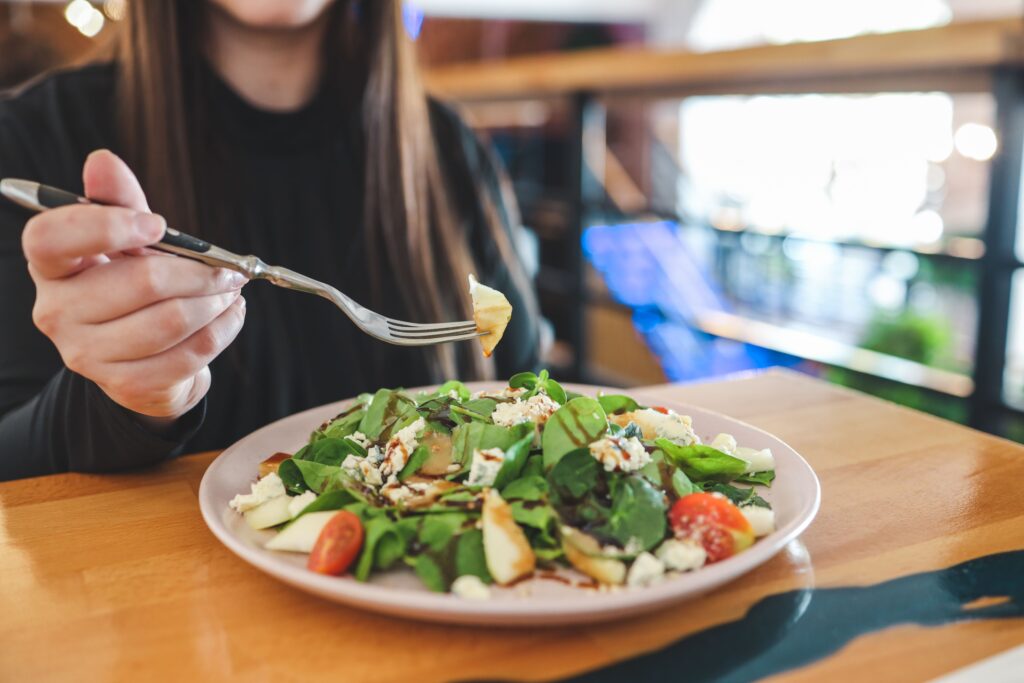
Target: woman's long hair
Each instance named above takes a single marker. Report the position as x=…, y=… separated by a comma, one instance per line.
x=410, y=220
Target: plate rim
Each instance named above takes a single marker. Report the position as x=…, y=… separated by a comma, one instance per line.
x=444, y=607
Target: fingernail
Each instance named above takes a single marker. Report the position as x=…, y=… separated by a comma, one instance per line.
x=150, y=225
x=236, y=280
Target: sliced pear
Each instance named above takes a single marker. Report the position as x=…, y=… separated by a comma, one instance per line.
x=270, y=513
x=301, y=536
x=440, y=447
x=491, y=312
x=506, y=550
x=581, y=551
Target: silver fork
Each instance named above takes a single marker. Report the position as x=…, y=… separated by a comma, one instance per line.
x=38, y=197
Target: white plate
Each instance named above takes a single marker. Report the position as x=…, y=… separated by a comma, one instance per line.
x=795, y=496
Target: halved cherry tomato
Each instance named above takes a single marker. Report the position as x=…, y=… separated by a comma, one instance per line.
x=714, y=522
x=337, y=545
x=661, y=409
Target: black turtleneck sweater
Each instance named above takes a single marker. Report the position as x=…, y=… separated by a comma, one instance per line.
x=298, y=180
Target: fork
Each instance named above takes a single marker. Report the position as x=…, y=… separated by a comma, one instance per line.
x=39, y=197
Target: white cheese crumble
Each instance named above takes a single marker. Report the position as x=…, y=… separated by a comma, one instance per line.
x=758, y=460
x=656, y=425
x=620, y=453
x=507, y=392
x=370, y=474
x=400, y=447
x=537, y=409
x=360, y=439
x=681, y=556
x=299, y=503
x=396, y=492
x=470, y=587
x=485, y=466
x=725, y=443
x=263, y=490
x=645, y=570
x=761, y=519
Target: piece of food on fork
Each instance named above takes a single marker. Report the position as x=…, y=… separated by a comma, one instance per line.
x=491, y=312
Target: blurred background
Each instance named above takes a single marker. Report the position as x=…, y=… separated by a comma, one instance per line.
x=719, y=186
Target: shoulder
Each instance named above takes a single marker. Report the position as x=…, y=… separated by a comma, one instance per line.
x=49, y=124
x=458, y=143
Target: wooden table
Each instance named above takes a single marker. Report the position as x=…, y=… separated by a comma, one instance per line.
x=117, y=578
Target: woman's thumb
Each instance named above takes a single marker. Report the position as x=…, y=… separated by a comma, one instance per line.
x=108, y=179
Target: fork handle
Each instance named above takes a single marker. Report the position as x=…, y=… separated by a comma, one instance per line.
x=173, y=241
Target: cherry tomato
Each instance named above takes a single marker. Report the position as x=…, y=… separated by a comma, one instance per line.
x=714, y=522
x=661, y=409
x=337, y=545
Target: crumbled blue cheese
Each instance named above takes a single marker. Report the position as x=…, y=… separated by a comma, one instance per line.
x=485, y=466
x=761, y=519
x=507, y=392
x=370, y=474
x=681, y=556
x=263, y=490
x=619, y=453
x=657, y=425
x=725, y=443
x=645, y=570
x=470, y=587
x=758, y=460
x=299, y=503
x=360, y=439
x=400, y=447
x=537, y=409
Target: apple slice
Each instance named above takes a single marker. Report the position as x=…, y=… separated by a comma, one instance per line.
x=506, y=550
x=491, y=312
x=300, y=536
x=270, y=513
x=582, y=551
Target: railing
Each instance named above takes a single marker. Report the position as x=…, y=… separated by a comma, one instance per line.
x=962, y=57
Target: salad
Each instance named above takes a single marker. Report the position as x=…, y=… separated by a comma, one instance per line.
x=470, y=490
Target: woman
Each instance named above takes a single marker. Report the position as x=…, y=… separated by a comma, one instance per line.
x=295, y=131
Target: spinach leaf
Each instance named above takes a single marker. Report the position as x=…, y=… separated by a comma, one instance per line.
x=290, y=474
x=536, y=383
x=342, y=424
x=534, y=466
x=481, y=406
x=515, y=460
x=616, y=404
x=652, y=470
x=575, y=475
x=763, y=478
x=416, y=460
x=738, y=496
x=471, y=436
x=316, y=476
x=430, y=573
x=539, y=520
x=700, y=462
x=390, y=409
x=455, y=385
x=532, y=487
x=682, y=485
x=330, y=451
x=375, y=528
x=332, y=500
x=637, y=513
x=469, y=556
x=436, y=531
x=576, y=424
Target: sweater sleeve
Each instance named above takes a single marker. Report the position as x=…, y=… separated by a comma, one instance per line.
x=51, y=419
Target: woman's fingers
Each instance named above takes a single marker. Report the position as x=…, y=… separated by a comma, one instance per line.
x=60, y=242
x=162, y=384
x=120, y=287
x=159, y=327
x=108, y=180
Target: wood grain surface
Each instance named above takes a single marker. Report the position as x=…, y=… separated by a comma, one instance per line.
x=115, y=577
x=956, y=55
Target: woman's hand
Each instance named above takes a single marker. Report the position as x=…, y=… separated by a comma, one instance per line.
x=143, y=326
